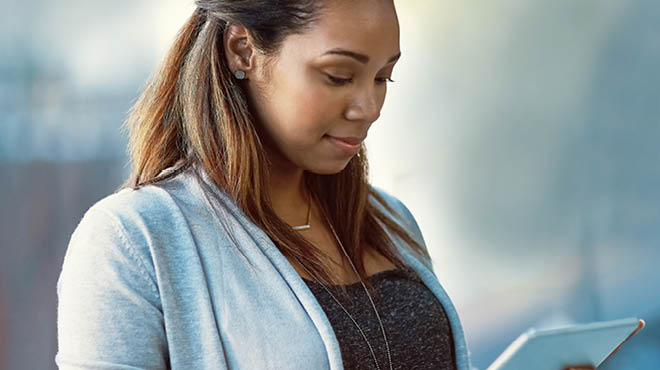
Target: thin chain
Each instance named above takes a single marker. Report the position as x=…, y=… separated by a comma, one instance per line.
x=387, y=346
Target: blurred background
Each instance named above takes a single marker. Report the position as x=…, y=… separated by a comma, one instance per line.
x=523, y=136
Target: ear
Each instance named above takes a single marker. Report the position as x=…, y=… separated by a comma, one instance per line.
x=239, y=51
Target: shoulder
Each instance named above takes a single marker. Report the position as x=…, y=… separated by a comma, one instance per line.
x=114, y=232
x=399, y=210
x=128, y=207
x=154, y=203
x=147, y=212
x=131, y=213
x=130, y=225
x=400, y=213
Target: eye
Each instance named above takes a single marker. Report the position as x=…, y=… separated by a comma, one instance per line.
x=338, y=81
x=382, y=80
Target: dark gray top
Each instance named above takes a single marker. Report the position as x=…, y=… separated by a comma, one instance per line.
x=415, y=323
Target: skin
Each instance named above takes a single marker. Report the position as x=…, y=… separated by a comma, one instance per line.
x=296, y=102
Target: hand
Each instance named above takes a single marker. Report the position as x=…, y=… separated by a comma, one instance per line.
x=579, y=367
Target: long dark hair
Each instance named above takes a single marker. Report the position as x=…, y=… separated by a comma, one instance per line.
x=191, y=114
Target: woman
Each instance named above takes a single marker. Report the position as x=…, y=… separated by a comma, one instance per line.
x=248, y=236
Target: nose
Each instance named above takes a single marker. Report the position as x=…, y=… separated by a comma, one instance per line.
x=365, y=106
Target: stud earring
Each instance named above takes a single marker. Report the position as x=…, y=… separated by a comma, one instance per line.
x=240, y=74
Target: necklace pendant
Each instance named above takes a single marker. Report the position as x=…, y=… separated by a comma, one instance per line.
x=302, y=227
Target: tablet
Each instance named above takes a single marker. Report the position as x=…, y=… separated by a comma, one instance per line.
x=554, y=349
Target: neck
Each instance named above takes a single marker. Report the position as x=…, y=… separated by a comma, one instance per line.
x=288, y=194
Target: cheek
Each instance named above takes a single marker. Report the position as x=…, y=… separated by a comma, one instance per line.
x=306, y=107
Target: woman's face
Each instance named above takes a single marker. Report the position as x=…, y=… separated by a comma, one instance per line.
x=328, y=82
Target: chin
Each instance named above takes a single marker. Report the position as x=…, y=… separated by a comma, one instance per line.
x=328, y=169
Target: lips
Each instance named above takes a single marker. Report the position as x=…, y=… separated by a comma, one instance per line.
x=351, y=140
x=342, y=144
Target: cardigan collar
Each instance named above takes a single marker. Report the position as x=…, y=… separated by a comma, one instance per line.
x=311, y=304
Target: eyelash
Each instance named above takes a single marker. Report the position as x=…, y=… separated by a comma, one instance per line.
x=343, y=81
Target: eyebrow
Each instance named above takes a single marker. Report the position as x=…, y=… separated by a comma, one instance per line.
x=364, y=59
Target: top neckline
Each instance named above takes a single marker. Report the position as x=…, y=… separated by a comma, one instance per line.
x=373, y=277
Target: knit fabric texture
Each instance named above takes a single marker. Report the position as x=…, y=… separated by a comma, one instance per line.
x=415, y=323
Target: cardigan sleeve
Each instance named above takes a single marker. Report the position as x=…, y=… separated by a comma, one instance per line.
x=108, y=311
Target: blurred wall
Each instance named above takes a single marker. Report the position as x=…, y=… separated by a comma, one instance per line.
x=521, y=134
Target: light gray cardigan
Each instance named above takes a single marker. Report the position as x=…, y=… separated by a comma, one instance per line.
x=151, y=281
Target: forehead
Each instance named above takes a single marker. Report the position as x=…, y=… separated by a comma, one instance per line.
x=368, y=27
